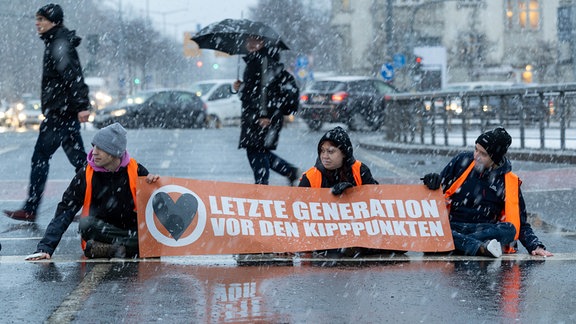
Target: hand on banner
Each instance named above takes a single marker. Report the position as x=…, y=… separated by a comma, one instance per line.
x=38, y=256
x=432, y=181
x=339, y=188
x=151, y=178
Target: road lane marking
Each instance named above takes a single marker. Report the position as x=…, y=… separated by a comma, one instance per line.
x=549, y=190
x=66, y=312
x=224, y=259
x=401, y=172
x=5, y=239
x=8, y=149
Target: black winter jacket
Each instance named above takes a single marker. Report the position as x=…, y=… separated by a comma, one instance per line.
x=330, y=178
x=64, y=92
x=251, y=134
x=111, y=202
x=481, y=197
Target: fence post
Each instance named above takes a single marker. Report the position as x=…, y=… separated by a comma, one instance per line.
x=562, y=111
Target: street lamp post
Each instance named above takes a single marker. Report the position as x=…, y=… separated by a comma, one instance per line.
x=164, y=14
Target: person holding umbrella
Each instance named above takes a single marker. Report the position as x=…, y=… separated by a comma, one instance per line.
x=262, y=118
x=267, y=91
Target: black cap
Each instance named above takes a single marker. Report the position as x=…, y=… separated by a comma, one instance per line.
x=52, y=12
x=496, y=142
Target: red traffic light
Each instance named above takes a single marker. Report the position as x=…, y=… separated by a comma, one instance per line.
x=418, y=59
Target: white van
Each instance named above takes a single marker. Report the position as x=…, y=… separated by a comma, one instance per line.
x=478, y=85
x=474, y=104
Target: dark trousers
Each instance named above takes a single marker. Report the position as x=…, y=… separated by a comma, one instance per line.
x=469, y=236
x=53, y=133
x=92, y=228
x=262, y=160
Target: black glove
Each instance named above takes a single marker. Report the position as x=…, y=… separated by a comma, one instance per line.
x=432, y=181
x=339, y=188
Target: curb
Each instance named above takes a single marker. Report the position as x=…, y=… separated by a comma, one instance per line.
x=544, y=156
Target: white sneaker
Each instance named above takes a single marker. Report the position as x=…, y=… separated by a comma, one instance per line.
x=493, y=248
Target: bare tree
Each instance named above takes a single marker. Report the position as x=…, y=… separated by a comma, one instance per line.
x=303, y=25
x=470, y=51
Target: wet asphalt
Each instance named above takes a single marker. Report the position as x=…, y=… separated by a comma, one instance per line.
x=413, y=287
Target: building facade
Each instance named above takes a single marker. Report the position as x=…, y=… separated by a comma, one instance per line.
x=524, y=41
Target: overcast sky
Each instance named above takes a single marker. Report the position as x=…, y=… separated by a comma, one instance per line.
x=174, y=17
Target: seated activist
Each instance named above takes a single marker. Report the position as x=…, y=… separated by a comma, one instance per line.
x=486, y=208
x=336, y=168
x=105, y=190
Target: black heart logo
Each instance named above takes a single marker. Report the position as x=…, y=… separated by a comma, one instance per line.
x=175, y=217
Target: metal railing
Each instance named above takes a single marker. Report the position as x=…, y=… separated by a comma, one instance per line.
x=535, y=114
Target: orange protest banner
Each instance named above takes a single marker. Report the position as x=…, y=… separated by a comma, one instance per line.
x=179, y=216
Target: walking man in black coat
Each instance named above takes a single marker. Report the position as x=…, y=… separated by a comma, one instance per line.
x=65, y=104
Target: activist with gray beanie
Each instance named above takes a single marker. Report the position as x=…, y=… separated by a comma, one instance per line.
x=105, y=191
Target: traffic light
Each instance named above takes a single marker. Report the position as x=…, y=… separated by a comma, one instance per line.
x=215, y=66
x=136, y=81
x=418, y=64
x=199, y=64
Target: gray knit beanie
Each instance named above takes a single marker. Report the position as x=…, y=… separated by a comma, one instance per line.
x=111, y=139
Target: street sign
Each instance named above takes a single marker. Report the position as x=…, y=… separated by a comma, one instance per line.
x=302, y=61
x=387, y=71
x=399, y=60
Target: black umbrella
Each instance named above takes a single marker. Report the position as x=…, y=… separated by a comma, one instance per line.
x=229, y=36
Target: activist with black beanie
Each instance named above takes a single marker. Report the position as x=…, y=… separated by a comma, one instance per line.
x=486, y=208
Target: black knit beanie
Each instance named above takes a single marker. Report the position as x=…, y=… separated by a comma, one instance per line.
x=496, y=142
x=52, y=12
x=341, y=140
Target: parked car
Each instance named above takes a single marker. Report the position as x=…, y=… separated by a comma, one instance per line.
x=222, y=105
x=166, y=108
x=24, y=113
x=3, y=110
x=357, y=101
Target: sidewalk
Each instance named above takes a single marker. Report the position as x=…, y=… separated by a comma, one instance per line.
x=531, y=151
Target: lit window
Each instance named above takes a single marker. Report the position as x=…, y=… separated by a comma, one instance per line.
x=523, y=14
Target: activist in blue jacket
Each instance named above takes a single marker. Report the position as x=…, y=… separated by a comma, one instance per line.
x=105, y=190
x=486, y=208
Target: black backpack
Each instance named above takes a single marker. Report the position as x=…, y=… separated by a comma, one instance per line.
x=288, y=96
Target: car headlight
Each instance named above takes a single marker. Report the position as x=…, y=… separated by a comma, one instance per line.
x=119, y=112
x=21, y=117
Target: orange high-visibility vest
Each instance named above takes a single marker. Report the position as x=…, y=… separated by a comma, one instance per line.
x=511, y=211
x=315, y=176
x=132, y=169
